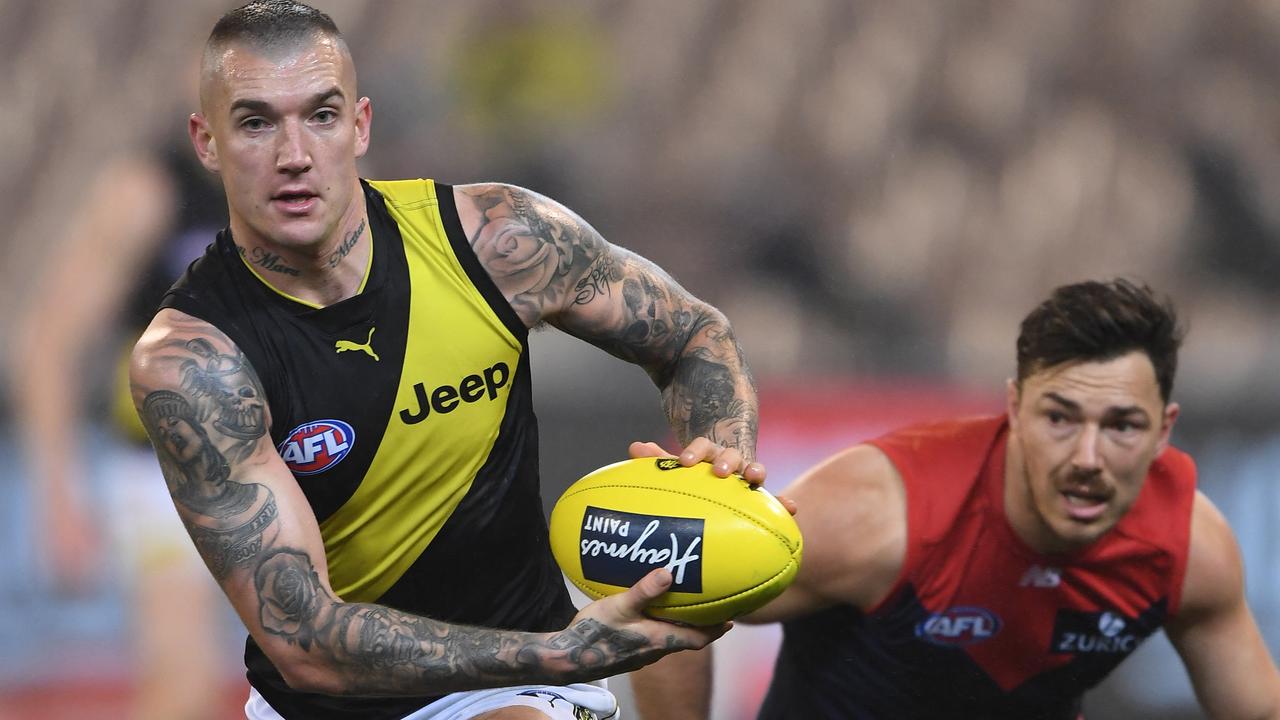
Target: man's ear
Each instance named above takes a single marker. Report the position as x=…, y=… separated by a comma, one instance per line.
x=1012, y=394
x=1167, y=420
x=364, y=122
x=202, y=139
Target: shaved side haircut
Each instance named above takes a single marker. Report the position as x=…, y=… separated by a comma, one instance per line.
x=274, y=28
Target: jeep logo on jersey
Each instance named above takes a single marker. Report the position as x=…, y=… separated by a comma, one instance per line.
x=619, y=548
x=446, y=398
x=1104, y=632
x=959, y=626
x=316, y=446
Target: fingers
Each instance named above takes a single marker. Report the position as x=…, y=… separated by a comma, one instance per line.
x=637, y=597
x=700, y=449
x=787, y=503
x=647, y=449
x=696, y=638
x=724, y=460
x=754, y=473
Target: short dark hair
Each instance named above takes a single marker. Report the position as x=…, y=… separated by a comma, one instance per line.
x=1100, y=321
x=271, y=24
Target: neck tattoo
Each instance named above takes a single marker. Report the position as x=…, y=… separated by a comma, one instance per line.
x=344, y=249
x=267, y=261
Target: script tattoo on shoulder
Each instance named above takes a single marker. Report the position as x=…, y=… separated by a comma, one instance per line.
x=201, y=430
x=534, y=249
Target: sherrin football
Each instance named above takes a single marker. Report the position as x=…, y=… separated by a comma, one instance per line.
x=730, y=547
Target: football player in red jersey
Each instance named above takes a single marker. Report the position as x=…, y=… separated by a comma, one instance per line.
x=1000, y=567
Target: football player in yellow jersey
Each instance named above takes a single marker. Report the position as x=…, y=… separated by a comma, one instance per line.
x=282, y=124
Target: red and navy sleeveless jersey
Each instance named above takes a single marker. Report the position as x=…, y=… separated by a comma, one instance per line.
x=978, y=624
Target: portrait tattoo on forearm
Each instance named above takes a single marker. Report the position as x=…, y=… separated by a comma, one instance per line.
x=219, y=394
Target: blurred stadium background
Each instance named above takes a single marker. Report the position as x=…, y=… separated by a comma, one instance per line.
x=874, y=191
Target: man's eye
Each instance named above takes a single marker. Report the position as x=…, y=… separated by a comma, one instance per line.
x=253, y=124
x=326, y=116
x=1055, y=417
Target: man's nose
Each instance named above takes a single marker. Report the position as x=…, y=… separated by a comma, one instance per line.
x=292, y=153
x=1085, y=456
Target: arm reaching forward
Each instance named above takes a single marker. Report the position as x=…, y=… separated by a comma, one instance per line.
x=260, y=540
x=553, y=267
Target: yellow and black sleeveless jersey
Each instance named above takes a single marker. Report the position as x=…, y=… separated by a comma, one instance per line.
x=405, y=413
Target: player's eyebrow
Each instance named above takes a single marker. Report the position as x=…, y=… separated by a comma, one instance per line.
x=1069, y=404
x=1112, y=411
x=262, y=106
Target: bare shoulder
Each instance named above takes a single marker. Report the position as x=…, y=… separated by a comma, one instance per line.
x=167, y=326
x=535, y=249
x=852, y=513
x=182, y=359
x=1215, y=574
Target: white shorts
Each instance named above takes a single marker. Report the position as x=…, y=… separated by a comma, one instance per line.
x=579, y=701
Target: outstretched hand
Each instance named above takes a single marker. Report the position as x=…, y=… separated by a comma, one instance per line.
x=724, y=461
x=614, y=634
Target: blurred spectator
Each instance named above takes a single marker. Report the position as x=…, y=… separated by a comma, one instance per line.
x=143, y=218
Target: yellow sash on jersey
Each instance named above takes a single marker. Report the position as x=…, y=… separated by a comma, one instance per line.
x=421, y=471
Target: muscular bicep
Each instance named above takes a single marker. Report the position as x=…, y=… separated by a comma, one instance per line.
x=203, y=406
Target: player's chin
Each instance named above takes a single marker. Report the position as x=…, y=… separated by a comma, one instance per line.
x=297, y=232
x=1080, y=533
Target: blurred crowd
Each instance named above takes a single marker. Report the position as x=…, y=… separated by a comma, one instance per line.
x=873, y=190
x=879, y=186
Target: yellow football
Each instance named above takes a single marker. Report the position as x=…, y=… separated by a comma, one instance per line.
x=730, y=547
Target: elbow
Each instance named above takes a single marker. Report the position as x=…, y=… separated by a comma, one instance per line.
x=308, y=676
x=707, y=330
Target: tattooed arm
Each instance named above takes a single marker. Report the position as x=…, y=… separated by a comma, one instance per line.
x=204, y=408
x=553, y=267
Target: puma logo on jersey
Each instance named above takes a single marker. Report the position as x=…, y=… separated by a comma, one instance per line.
x=366, y=347
x=1041, y=577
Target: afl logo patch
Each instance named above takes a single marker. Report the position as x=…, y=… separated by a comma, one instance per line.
x=667, y=463
x=959, y=626
x=316, y=446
